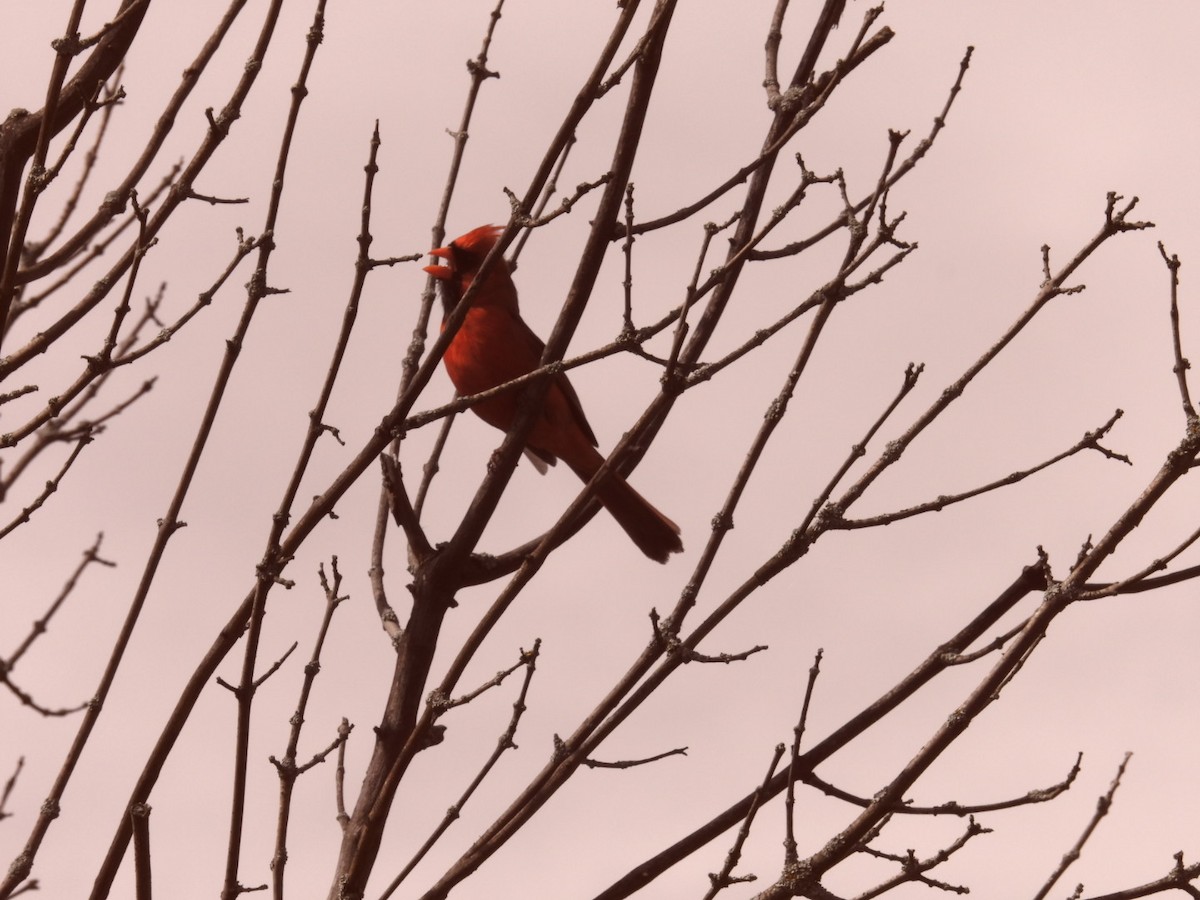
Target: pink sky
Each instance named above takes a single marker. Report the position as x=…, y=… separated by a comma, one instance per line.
x=1063, y=103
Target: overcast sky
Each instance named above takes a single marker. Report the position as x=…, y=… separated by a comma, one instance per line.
x=1063, y=102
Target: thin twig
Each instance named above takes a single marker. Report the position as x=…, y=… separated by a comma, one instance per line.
x=912, y=869
x=918, y=153
x=273, y=561
x=40, y=626
x=116, y=199
x=548, y=192
x=99, y=364
x=793, y=769
x=70, y=268
x=113, y=94
x=8, y=787
x=954, y=807
x=1031, y=578
x=1090, y=441
x=1181, y=363
x=528, y=661
x=718, y=881
x=633, y=763
x=1103, y=805
x=1180, y=878
x=287, y=768
x=51, y=486
x=1116, y=222
x=170, y=522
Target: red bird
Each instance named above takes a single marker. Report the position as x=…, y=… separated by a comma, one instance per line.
x=494, y=345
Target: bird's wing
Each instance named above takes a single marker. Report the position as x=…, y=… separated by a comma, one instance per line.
x=561, y=382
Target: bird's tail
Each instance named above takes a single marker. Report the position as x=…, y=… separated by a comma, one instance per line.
x=652, y=532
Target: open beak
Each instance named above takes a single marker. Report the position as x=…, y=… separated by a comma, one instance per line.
x=442, y=273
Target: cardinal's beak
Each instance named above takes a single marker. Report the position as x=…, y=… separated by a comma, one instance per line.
x=442, y=273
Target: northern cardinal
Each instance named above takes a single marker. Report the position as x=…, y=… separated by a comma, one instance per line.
x=494, y=345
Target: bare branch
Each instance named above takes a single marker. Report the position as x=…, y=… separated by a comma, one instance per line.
x=1142, y=580
x=912, y=870
x=789, y=122
x=793, y=770
x=1103, y=805
x=51, y=486
x=269, y=569
x=910, y=162
x=528, y=660
x=116, y=199
x=548, y=192
x=113, y=94
x=632, y=763
x=26, y=138
x=344, y=730
x=1031, y=578
x=1181, y=364
x=70, y=268
x=402, y=509
x=8, y=787
x=723, y=879
x=1115, y=222
x=564, y=207
x=1180, y=878
x=774, y=39
x=26, y=699
x=1090, y=441
x=954, y=807
x=139, y=817
x=287, y=767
